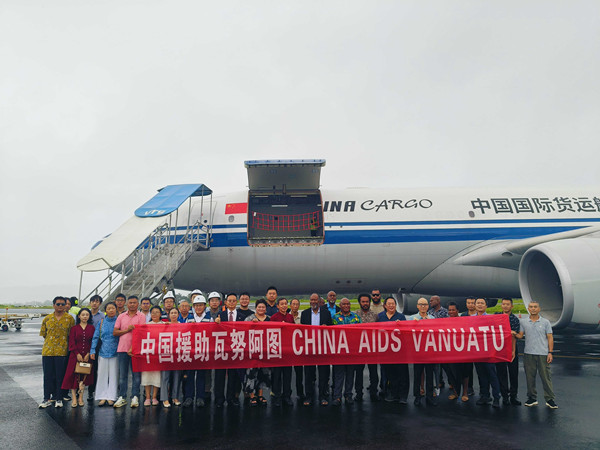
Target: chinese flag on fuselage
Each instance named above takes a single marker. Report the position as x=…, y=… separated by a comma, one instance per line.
x=236, y=208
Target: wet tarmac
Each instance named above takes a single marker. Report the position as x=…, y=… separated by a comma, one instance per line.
x=576, y=377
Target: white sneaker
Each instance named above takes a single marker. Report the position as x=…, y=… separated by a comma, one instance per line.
x=437, y=392
x=58, y=404
x=135, y=402
x=120, y=402
x=45, y=404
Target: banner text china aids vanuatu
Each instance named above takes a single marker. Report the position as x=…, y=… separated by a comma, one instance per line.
x=192, y=346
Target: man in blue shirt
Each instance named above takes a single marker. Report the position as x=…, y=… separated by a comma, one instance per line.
x=331, y=306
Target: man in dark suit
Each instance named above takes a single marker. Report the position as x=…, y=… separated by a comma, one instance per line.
x=231, y=314
x=316, y=315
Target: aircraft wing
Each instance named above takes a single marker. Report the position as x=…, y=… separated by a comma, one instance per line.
x=507, y=254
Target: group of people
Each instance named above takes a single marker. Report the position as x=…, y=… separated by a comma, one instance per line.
x=88, y=335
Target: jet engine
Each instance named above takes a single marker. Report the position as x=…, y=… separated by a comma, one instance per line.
x=563, y=277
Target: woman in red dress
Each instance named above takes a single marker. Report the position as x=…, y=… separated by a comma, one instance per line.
x=80, y=342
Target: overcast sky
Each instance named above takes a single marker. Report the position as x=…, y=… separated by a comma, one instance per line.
x=101, y=103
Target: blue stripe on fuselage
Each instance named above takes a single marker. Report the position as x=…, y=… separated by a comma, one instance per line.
x=409, y=235
x=433, y=222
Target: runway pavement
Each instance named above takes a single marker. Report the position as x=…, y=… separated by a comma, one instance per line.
x=576, y=376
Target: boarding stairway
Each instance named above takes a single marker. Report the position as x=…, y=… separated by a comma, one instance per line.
x=148, y=271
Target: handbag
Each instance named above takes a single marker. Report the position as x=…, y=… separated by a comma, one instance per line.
x=83, y=368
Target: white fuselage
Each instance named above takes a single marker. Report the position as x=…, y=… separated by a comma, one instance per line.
x=397, y=240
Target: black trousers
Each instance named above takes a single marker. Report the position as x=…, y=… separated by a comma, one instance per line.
x=486, y=372
x=457, y=372
x=92, y=387
x=508, y=371
x=234, y=384
x=383, y=381
x=359, y=379
x=344, y=380
x=281, y=379
x=398, y=379
x=54, y=371
x=310, y=373
x=469, y=371
x=194, y=380
x=299, y=371
x=417, y=372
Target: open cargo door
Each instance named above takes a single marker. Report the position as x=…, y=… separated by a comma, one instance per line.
x=284, y=202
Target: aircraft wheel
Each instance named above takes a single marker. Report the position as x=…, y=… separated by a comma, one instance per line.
x=18, y=327
x=4, y=327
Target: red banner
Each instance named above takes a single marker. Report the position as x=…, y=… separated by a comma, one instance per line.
x=267, y=344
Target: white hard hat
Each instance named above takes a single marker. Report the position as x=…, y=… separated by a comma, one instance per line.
x=196, y=291
x=214, y=294
x=169, y=295
x=199, y=299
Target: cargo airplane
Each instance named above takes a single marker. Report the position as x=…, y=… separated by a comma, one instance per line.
x=285, y=230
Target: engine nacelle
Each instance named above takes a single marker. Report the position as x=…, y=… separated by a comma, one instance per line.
x=564, y=276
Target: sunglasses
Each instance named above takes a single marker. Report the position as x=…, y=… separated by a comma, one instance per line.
x=60, y=304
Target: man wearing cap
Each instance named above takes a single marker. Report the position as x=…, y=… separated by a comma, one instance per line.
x=169, y=304
x=212, y=312
x=195, y=380
x=200, y=312
x=214, y=304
